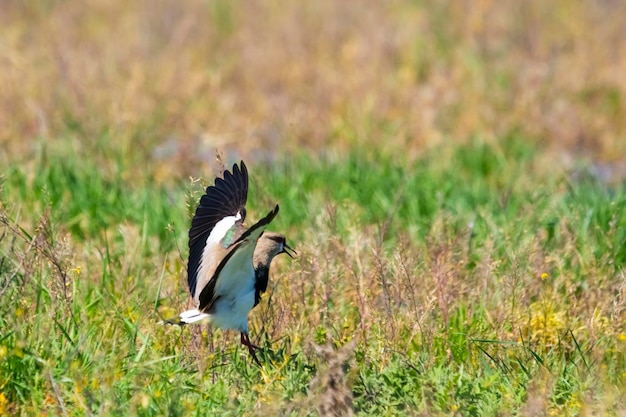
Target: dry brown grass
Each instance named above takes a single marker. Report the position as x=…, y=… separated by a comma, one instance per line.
x=251, y=74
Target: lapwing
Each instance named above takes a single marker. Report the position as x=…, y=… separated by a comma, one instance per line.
x=228, y=267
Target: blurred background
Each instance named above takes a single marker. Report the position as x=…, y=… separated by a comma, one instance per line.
x=162, y=84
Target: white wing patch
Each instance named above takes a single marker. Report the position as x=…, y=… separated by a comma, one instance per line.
x=213, y=248
x=220, y=229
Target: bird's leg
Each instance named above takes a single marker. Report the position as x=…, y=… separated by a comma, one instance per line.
x=245, y=340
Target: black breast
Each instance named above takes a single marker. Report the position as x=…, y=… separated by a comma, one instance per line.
x=262, y=275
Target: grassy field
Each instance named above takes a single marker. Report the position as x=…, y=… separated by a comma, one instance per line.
x=451, y=174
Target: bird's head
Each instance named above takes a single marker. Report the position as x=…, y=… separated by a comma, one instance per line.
x=269, y=245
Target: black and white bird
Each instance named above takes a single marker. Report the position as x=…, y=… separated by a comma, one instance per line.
x=228, y=267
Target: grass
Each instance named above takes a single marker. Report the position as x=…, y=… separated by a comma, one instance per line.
x=473, y=284
x=451, y=174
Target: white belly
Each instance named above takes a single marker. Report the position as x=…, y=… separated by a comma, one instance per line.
x=234, y=293
x=230, y=313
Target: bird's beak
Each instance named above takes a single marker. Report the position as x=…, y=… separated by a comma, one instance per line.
x=287, y=248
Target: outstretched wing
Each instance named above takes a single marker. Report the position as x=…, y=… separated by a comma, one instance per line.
x=226, y=198
x=227, y=278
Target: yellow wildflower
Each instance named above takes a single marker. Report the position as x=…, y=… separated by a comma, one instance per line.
x=3, y=404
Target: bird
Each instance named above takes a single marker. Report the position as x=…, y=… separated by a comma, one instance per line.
x=228, y=264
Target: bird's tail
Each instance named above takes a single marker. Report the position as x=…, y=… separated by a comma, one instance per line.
x=187, y=317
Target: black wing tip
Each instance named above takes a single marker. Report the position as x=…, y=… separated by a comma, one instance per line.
x=261, y=223
x=227, y=195
x=270, y=216
x=238, y=170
